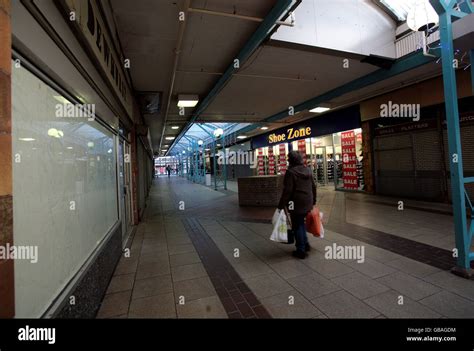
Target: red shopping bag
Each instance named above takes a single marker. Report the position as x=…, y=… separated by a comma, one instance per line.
x=313, y=222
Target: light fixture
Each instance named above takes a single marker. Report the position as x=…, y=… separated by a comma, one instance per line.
x=422, y=17
x=264, y=128
x=109, y=151
x=241, y=137
x=218, y=132
x=69, y=147
x=169, y=138
x=175, y=127
x=219, y=145
x=319, y=109
x=207, y=149
x=90, y=144
x=26, y=139
x=55, y=133
x=200, y=142
x=187, y=100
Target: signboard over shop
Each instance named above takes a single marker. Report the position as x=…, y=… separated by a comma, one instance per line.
x=90, y=24
x=329, y=123
x=432, y=123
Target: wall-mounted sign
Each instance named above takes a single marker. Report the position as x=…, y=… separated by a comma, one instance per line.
x=345, y=119
x=349, y=160
x=92, y=27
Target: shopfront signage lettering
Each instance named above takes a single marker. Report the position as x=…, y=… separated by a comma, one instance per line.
x=92, y=27
x=291, y=134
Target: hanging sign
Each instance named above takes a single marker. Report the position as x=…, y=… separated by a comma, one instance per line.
x=349, y=160
x=271, y=161
x=302, y=149
x=282, y=158
x=261, y=166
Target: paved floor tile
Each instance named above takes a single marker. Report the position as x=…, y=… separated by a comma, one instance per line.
x=408, y=285
x=193, y=289
x=290, y=304
x=158, y=306
x=450, y=305
x=360, y=285
x=388, y=304
x=114, y=305
x=152, y=286
x=341, y=304
x=184, y=259
x=267, y=285
x=121, y=283
x=313, y=285
x=186, y=272
x=209, y=307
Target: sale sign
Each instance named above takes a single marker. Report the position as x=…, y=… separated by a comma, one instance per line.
x=302, y=149
x=282, y=158
x=349, y=160
x=261, y=166
x=271, y=161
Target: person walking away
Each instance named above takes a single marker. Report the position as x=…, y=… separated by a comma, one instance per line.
x=299, y=196
x=168, y=169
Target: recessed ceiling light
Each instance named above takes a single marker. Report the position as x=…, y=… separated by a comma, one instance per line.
x=26, y=139
x=241, y=137
x=319, y=109
x=169, y=138
x=175, y=127
x=187, y=100
x=264, y=128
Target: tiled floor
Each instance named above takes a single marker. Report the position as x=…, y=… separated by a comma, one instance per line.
x=213, y=259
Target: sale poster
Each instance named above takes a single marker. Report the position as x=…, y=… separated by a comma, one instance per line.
x=349, y=160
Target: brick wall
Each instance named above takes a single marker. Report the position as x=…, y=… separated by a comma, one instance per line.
x=7, y=297
x=260, y=191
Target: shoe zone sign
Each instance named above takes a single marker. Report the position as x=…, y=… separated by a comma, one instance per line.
x=329, y=123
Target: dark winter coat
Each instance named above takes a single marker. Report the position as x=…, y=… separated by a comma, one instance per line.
x=298, y=187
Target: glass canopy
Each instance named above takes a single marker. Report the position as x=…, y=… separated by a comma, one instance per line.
x=204, y=132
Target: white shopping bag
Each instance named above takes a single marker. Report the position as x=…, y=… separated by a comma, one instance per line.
x=280, y=228
x=275, y=216
x=322, y=228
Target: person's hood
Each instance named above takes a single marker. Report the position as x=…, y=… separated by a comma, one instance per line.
x=301, y=171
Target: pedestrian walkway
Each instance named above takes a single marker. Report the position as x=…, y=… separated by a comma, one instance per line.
x=197, y=254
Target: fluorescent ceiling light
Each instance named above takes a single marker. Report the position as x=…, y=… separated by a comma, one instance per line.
x=319, y=109
x=169, y=138
x=264, y=128
x=26, y=139
x=241, y=137
x=187, y=100
x=175, y=127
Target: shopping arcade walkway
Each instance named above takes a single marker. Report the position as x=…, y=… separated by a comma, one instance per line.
x=183, y=262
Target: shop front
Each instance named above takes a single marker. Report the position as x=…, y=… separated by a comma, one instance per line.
x=331, y=145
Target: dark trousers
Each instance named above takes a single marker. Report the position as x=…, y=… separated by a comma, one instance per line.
x=299, y=230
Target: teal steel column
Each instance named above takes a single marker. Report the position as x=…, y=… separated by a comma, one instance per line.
x=462, y=235
x=214, y=148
